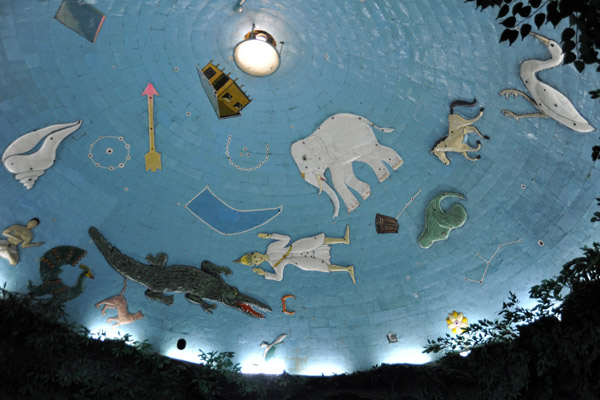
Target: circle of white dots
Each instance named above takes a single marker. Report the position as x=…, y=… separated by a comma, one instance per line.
x=110, y=151
x=257, y=166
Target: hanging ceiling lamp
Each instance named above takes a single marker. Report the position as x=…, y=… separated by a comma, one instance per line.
x=257, y=54
x=238, y=6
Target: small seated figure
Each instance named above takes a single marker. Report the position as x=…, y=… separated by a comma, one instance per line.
x=309, y=254
x=17, y=234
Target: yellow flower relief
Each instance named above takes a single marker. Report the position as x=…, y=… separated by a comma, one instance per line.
x=457, y=322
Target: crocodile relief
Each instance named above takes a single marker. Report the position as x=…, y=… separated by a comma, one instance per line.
x=198, y=284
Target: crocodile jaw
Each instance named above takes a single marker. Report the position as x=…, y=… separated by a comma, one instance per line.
x=248, y=306
x=248, y=310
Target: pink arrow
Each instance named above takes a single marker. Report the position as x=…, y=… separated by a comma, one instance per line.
x=150, y=91
x=152, y=157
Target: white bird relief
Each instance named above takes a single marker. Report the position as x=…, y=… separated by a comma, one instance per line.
x=271, y=349
x=28, y=167
x=547, y=100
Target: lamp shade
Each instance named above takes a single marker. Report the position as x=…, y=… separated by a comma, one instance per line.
x=256, y=55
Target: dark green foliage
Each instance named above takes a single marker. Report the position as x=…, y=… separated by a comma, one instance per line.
x=216, y=367
x=549, y=351
x=596, y=216
x=43, y=357
x=550, y=296
x=580, y=40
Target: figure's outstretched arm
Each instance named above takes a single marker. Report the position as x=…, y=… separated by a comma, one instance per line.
x=27, y=243
x=275, y=236
x=277, y=276
x=16, y=239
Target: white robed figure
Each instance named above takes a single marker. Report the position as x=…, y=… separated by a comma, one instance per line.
x=309, y=254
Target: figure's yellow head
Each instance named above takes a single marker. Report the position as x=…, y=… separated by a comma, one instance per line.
x=251, y=259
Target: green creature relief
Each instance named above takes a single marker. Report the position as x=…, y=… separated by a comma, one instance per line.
x=438, y=223
x=51, y=267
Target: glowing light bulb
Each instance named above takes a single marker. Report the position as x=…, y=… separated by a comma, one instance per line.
x=256, y=57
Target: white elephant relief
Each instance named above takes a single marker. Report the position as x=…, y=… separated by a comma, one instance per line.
x=340, y=140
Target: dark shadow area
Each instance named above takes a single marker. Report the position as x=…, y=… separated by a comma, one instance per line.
x=553, y=357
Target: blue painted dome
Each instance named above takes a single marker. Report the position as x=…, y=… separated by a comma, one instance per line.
x=397, y=64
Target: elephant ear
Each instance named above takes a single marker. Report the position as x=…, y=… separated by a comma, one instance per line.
x=317, y=150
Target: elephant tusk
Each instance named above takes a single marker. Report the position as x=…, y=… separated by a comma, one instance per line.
x=320, y=184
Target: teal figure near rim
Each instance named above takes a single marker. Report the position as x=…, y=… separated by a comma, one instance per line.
x=51, y=264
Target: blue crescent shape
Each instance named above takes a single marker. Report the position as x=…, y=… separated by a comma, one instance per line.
x=222, y=218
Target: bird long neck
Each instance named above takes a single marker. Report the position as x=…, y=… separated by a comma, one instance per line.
x=530, y=68
x=79, y=286
x=555, y=61
x=539, y=65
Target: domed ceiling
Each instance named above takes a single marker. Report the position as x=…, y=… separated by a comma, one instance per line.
x=528, y=197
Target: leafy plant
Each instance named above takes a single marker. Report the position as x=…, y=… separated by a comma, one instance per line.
x=220, y=361
x=549, y=351
x=596, y=216
x=219, y=369
x=550, y=296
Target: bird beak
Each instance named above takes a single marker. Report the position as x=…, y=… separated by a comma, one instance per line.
x=542, y=39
